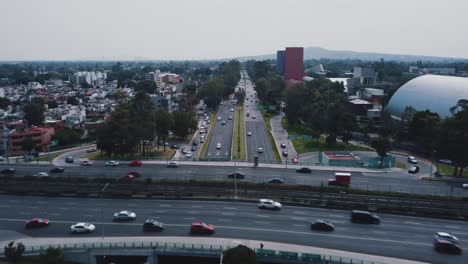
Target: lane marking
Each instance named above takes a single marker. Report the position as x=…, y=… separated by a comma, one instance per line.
x=4, y=206
x=225, y=220
x=230, y=208
x=299, y=225
x=298, y=218
x=25, y=213
x=42, y=202
x=165, y=205
x=189, y=218
x=192, y=212
x=263, y=216
x=412, y=223
x=228, y=213
x=451, y=226
x=56, y=214
x=260, y=222
x=379, y=232
x=196, y=206
x=63, y=208
x=159, y=211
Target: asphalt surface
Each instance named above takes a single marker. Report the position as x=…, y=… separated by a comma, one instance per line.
x=392, y=181
x=222, y=133
x=259, y=137
x=397, y=236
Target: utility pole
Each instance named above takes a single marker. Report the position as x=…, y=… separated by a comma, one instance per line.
x=102, y=209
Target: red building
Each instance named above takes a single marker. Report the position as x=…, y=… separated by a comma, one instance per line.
x=294, y=64
x=40, y=136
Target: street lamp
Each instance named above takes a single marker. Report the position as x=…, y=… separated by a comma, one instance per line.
x=432, y=162
x=102, y=209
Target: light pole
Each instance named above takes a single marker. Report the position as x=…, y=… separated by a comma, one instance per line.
x=102, y=209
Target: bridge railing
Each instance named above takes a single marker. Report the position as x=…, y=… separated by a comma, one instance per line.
x=262, y=254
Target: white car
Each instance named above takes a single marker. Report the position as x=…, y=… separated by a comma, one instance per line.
x=253, y=116
x=232, y=109
x=230, y=117
x=218, y=146
x=219, y=118
x=188, y=155
x=82, y=228
x=112, y=163
x=124, y=216
x=249, y=133
x=268, y=204
x=260, y=150
x=412, y=160
x=172, y=164
x=446, y=236
x=465, y=186
x=41, y=174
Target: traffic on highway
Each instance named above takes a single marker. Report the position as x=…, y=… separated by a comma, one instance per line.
x=389, y=235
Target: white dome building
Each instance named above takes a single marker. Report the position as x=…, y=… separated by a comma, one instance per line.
x=435, y=93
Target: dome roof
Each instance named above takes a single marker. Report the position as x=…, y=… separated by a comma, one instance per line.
x=429, y=92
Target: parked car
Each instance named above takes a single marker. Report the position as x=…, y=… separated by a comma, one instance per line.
x=413, y=169
x=237, y=175
x=112, y=163
x=364, y=217
x=172, y=164
x=276, y=181
x=135, y=163
x=201, y=228
x=82, y=228
x=86, y=163
x=322, y=225
x=268, y=204
x=37, y=223
x=69, y=160
x=304, y=170
x=124, y=216
x=57, y=170
x=8, y=171
x=153, y=225
x=41, y=174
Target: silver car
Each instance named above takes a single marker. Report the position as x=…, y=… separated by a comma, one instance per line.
x=82, y=228
x=124, y=216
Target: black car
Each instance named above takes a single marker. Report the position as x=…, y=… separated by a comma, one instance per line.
x=364, y=217
x=175, y=146
x=304, y=170
x=195, y=142
x=283, y=145
x=194, y=148
x=237, y=175
x=276, y=180
x=284, y=153
x=153, y=225
x=69, y=160
x=57, y=170
x=8, y=171
x=413, y=169
x=447, y=246
x=322, y=225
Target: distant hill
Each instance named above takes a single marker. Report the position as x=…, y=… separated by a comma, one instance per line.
x=321, y=53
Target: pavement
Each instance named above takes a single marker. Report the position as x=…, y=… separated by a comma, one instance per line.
x=224, y=242
x=281, y=137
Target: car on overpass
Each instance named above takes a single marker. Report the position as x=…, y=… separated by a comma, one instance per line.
x=57, y=170
x=135, y=163
x=37, y=223
x=201, y=228
x=304, y=170
x=236, y=175
x=276, y=181
x=112, y=163
x=447, y=246
x=82, y=228
x=8, y=171
x=172, y=164
x=153, y=225
x=268, y=204
x=86, y=163
x=41, y=174
x=465, y=185
x=322, y=225
x=364, y=217
x=124, y=216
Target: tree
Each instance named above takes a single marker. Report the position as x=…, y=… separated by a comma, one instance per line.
x=147, y=86
x=4, y=103
x=212, y=92
x=34, y=113
x=52, y=256
x=381, y=146
x=67, y=137
x=141, y=110
x=239, y=254
x=183, y=123
x=13, y=253
x=164, y=123
x=423, y=129
x=240, y=97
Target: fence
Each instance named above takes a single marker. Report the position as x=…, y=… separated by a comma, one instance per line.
x=262, y=254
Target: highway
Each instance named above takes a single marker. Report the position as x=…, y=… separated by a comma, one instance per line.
x=256, y=126
x=396, y=182
x=222, y=133
x=397, y=236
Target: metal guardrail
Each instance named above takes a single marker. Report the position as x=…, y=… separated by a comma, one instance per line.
x=263, y=254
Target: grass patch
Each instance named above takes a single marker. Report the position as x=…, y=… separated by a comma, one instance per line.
x=400, y=165
x=447, y=170
x=273, y=145
x=202, y=152
x=266, y=119
x=239, y=151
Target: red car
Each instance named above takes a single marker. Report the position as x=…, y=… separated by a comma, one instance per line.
x=132, y=175
x=201, y=228
x=135, y=163
x=37, y=222
x=295, y=160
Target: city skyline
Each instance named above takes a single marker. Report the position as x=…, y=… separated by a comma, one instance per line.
x=181, y=29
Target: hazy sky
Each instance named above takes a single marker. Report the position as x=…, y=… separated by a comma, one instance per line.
x=206, y=29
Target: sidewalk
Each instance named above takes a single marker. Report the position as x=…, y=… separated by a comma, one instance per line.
x=280, y=136
x=255, y=244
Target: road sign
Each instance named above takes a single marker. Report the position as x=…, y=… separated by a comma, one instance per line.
x=291, y=137
x=306, y=137
x=272, y=107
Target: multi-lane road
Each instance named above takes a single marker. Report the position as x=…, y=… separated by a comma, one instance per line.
x=255, y=125
x=397, y=236
x=360, y=180
x=222, y=133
